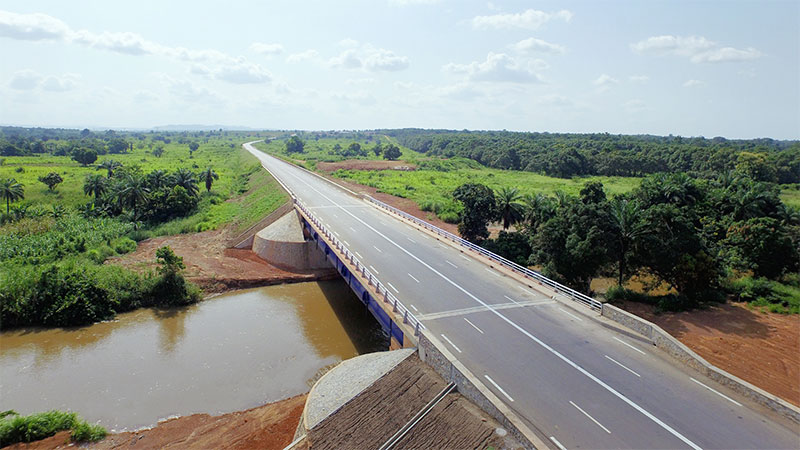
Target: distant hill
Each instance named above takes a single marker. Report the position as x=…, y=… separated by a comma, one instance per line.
x=203, y=128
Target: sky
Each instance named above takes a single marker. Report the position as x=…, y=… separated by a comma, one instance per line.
x=713, y=68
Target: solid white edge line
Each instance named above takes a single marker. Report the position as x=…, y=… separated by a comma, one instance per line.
x=392, y=286
x=558, y=444
x=474, y=326
x=451, y=343
x=629, y=345
x=570, y=314
x=448, y=262
x=513, y=324
x=413, y=278
x=514, y=301
x=622, y=365
x=499, y=388
x=375, y=270
x=717, y=392
x=593, y=419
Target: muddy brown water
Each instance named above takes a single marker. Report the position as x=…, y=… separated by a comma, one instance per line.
x=227, y=353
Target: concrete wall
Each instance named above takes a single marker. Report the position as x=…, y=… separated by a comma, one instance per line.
x=432, y=352
x=283, y=245
x=678, y=350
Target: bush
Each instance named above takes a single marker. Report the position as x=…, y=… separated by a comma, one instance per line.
x=777, y=297
x=15, y=428
x=123, y=245
x=100, y=254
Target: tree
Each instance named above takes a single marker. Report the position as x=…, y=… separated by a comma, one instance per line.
x=110, y=166
x=193, y=146
x=158, y=151
x=95, y=185
x=377, y=149
x=354, y=149
x=209, y=176
x=157, y=179
x=84, y=156
x=479, y=209
x=185, y=178
x=508, y=206
x=628, y=229
x=392, y=152
x=762, y=245
x=538, y=210
x=52, y=180
x=131, y=192
x=11, y=191
x=294, y=145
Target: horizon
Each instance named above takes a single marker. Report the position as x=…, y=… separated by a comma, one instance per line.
x=686, y=69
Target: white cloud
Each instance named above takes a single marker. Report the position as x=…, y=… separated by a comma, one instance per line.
x=498, y=67
x=412, y=2
x=357, y=81
x=348, y=42
x=641, y=79
x=303, y=56
x=361, y=97
x=369, y=58
x=635, y=106
x=25, y=80
x=604, y=82
x=693, y=83
x=697, y=48
x=189, y=92
x=60, y=84
x=125, y=42
x=239, y=72
x=530, y=19
x=266, y=49
x=533, y=45
x=32, y=27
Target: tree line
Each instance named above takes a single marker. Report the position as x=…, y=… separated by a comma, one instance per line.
x=568, y=155
x=694, y=235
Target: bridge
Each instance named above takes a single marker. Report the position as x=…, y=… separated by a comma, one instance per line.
x=539, y=351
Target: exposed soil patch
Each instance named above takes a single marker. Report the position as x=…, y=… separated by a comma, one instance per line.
x=271, y=426
x=360, y=164
x=211, y=265
x=761, y=348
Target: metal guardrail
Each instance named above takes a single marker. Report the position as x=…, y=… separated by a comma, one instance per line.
x=532, y=274
x=388, y=297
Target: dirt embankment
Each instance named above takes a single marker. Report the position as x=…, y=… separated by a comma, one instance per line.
x=761, y=348
x=213, y=266
x=271, y=426
x=362, y=164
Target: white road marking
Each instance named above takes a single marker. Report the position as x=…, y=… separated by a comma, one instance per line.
x=415, y=308
x=374, y=270
x=514, y=325
x=558, y=444
x=336, y=233
x=527, y=290
x=411, y=239
x=448, y=262
x=473, y=325
x=359, y=255
x=570, y=314
x=492, y=271
x=499, y=388
x=593, y=419
x=451, y=343
x=622, y=365
x=393, y=288
x=464, y=257
x=514, y=301
x=478, y=309
x=629, y=345
x=376, y=248
x=353, y=229
x=346, y=243
x=335, y=215
x=413, y=278
x=717, y=392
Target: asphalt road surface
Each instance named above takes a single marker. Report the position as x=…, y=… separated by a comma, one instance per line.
x=577, y=382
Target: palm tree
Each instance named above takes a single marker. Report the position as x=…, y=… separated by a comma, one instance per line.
x=110, y=165
x=185, y=178
x=508, y=205
x=626, y=216
x=131, y=192
x=95, y=185
x=11, y=191
x=157, y=179
x=209, y=176
x=538, y=209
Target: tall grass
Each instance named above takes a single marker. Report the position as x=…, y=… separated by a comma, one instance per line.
x=15, y=428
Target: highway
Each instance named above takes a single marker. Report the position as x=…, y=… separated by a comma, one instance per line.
x=579, y=383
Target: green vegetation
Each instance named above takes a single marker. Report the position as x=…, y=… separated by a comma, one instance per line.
x=15, y=428
x=53, y=242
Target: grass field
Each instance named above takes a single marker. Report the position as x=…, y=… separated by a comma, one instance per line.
x=791, y=196
x=234, y=166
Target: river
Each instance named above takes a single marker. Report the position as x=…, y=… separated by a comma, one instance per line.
x=228, y=353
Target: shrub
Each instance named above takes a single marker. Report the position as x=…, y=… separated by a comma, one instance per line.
x=99, y=254
x=15, y=428
x=123, y=245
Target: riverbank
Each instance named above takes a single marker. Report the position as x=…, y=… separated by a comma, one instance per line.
x=213, y=266
x=270, y=426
